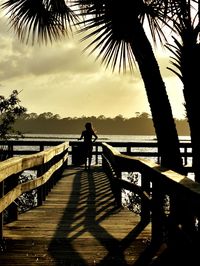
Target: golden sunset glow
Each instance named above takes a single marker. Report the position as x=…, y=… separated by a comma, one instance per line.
x=59, y=78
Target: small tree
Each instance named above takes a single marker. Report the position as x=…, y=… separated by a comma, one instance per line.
x=10, y=110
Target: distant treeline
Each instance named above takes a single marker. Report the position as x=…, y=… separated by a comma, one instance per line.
x=48, y=123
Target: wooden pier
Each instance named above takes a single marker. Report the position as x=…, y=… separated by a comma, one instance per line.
x=79, y=224
x=80, y=219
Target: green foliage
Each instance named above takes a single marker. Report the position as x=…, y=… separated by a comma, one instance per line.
x=132, y=200
x=10, y=110
x=27, y=200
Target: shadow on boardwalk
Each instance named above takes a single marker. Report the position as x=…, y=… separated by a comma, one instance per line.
x=79, y=224
x=97, y=232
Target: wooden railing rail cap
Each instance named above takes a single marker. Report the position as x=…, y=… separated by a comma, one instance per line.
x=32, y=160
x=153, y=170
x=9, y=167
x=49, y=153
x=16, y=165
x=12, y=195
x=111, y=148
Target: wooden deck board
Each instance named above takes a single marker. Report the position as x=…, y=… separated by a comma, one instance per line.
x=78, y=224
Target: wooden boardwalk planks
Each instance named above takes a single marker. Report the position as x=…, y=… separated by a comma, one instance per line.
x=78, y=224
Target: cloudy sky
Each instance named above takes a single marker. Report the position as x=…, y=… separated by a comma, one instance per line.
x=59, y=78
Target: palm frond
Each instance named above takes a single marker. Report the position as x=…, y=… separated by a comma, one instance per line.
x=42, y=19
x=113, y=52
x=176, y=73
x=119, y=19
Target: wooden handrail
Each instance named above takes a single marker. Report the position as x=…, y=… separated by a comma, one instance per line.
x=47, y=163
x=16, y=165
x=181, y=220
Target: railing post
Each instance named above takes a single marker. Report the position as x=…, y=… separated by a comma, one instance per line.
x=65, y=164
x=10, y=150
x=13, y=208
x=128, y=150
x=96, y=154
x=118, y=190
x=157, y=213
x=181, y=222
x=185, y=155
x=145, y=208
x=40, y=192
x=41, y=147
x=116, y=181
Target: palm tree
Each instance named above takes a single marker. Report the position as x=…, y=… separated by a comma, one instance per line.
x=120, y=37
x=186, y=57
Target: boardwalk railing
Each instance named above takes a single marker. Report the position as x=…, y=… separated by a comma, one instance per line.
x=48, y=165
x=170, y=201
x=139, y=149
x=158, y=186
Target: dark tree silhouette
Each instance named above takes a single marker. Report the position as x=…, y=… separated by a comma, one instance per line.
x=10, y=111
x=186, y=57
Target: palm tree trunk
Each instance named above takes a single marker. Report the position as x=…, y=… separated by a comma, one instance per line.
x=191, y=94
x=192, y=107
x=165, y=128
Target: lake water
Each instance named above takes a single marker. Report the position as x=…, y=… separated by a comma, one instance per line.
x=121, y=138
x=101, y=138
